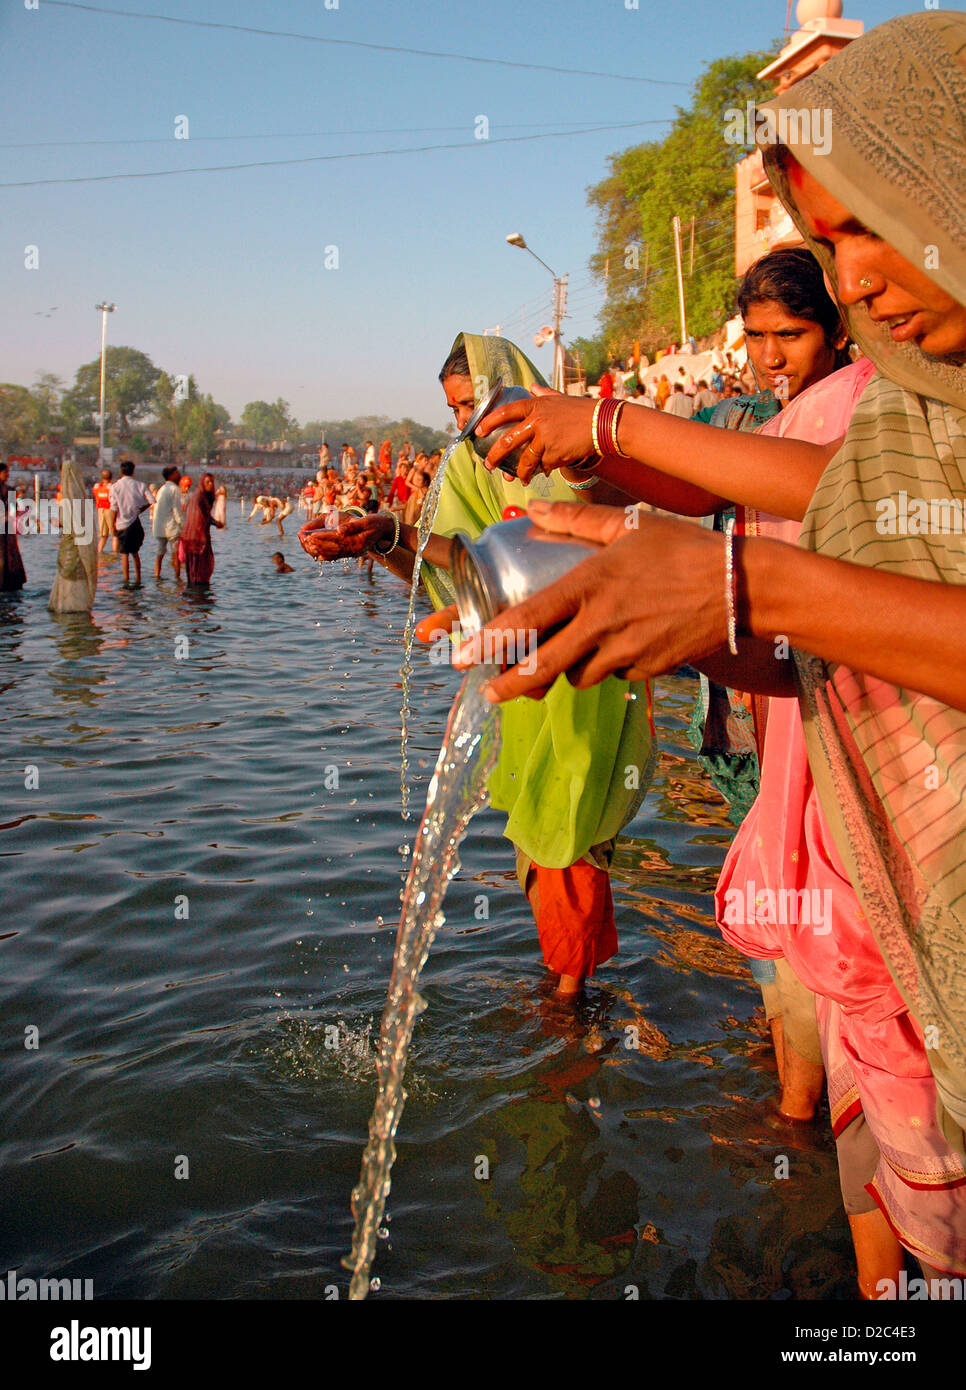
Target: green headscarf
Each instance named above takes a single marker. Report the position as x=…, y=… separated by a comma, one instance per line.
x=566, y=761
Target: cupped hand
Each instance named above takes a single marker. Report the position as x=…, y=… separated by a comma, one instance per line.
x=554, y=428
x=653, y=598
x=446, y=620
x=353, y=535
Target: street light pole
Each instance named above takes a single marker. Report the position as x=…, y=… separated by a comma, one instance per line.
x=676, y=228
x=559, y=304
x=105, y=309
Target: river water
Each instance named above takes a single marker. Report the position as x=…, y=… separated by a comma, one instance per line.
x=202, y=857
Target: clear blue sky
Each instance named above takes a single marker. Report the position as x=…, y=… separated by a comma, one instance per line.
x=222, y=274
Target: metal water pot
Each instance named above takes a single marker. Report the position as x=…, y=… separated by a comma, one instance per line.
x=484, y=444
x=507, y=563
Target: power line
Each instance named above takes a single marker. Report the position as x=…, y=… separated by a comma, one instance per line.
x=309, y=159
x=356, y=43
x=298, y=135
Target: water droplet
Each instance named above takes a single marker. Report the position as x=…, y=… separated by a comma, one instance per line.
x=382, y=1233
x=629, y=695
x=375, y=1284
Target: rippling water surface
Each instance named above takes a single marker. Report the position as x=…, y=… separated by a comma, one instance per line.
x=201, y=891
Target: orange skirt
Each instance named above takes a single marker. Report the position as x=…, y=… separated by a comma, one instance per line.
x=574, y=912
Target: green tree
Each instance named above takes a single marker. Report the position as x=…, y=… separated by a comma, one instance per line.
x=265, y=423
x=592, y=354
x=129, y=395
x=189, y=418
x=689, y=174
x=47, y=392
x=18, y=418
x=374, y=427
x=165, y=407
x=199, y=423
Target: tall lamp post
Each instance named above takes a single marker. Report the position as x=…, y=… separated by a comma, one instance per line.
x=559, y=303
x=105, y=309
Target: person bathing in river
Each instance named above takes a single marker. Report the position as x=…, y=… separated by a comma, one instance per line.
x=873, y=613
x=13, y=576
x=195, y=543
x=572, y=770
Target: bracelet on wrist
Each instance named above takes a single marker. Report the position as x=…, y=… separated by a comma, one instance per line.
x=395, y=539
x=605, y=434
x=595, y=419
x=588, y=482
x=731, y=588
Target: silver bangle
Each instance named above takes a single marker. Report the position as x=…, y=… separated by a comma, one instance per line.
x=579, y=487
x=395, y=540
x=730, y=587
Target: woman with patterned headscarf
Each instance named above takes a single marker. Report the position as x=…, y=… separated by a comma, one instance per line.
x=871, y=607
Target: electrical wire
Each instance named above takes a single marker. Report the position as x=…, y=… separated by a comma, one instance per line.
x=297, y=135
x=305, y=159
x=356, y=43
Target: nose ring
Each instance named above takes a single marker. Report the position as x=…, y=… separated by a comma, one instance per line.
x=866, y=284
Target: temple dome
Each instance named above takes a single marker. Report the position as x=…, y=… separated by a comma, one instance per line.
x=818, y=9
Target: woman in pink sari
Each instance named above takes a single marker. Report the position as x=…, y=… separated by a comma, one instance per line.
x=195, y=541
x=867, y=839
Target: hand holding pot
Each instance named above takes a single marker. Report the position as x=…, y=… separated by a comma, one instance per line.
x=651, y=599
x=552, y=430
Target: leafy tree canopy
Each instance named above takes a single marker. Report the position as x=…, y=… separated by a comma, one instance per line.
x=130, y=379
x=264, y=422
x=374, y=427
x=689, y=174
x=18, y=418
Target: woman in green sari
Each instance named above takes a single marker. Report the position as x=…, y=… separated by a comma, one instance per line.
x=573, y=768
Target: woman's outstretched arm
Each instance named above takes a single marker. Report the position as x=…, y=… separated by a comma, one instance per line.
x=360, y=535
x=655, y=596
x=674, y=464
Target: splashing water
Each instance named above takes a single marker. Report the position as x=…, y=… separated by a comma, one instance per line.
x=423, y=530
x=456, y=792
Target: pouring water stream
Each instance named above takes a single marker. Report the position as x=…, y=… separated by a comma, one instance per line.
x=456, y=792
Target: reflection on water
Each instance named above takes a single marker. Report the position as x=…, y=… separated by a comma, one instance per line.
x=197, y=892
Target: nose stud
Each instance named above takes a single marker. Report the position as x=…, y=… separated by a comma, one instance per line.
x=866, y=284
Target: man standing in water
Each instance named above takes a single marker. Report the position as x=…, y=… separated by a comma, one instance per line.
x=166, y=523
x=105, y=513
x=129, y=499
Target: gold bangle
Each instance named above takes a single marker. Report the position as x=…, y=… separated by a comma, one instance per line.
x=593, y=428
x=731, y=588
x=395, y=540
x=613, y=430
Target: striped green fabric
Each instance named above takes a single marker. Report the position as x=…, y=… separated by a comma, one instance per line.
x=890, y=764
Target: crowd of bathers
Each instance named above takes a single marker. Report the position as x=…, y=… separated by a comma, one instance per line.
x=379, y=482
